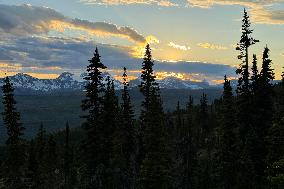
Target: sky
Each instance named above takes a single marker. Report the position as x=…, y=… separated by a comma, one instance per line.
x=190, y=39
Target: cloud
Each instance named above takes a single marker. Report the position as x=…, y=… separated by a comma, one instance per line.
x=179, y=47
x=261, y=10
x=26, y=20
x=195, y=67
x=211, y=46
x=163, y=3
x=55, y=55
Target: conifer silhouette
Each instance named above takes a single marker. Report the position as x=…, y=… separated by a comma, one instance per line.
x=15, y=160
x=92, y=104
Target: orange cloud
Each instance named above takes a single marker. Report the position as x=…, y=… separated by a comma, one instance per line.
x=43, y=75
x=138, y=50
x=9, y=66
x=33, y=74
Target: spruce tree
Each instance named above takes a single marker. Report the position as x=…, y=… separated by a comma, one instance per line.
x=127, y=119
x=203, y=118
x=264, y=109
x=255, y=75
x=189, y=147
x=147, y=84
x=110, y=115
x=147, y=77
x=92, y=104
x=228, y=140
x=124, y=141
x=244, y=105
x=204, y=165
x=243, y=46
x=15, y=160
x=155, y=169
x=177, y=137
x=243, y=89
x=185, y=149
x=110, y=118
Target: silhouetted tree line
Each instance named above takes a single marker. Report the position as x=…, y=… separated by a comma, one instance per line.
x=237, y=142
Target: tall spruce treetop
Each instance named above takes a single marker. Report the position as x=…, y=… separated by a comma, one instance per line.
x=266, y=73
x=243, y=46
x=264, y=96
x=147, y=76
x=94, y=86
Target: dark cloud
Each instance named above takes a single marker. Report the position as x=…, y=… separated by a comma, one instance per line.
x=196, y=67
x=26, y=20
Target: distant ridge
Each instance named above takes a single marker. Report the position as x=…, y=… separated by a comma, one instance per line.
x=67, y=82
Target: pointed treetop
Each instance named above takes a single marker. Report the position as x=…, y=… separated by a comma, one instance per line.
x=282, y=76
x=266, y=71
x=124, y=77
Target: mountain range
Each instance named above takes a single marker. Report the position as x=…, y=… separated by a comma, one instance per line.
x=67, y=82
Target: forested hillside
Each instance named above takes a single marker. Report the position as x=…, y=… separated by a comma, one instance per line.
x=233, y=142
x=54, y=110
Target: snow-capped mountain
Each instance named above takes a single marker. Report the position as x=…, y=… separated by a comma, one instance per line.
x=25, y=81
x=67, y=82
x=175, y=83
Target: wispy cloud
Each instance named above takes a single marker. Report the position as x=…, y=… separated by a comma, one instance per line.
x=26, y=20
x=179, y=47
x=211, y=46
x=164, y=3
x=261, y=10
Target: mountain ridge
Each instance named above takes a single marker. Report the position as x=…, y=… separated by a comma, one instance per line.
x=67, y=82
